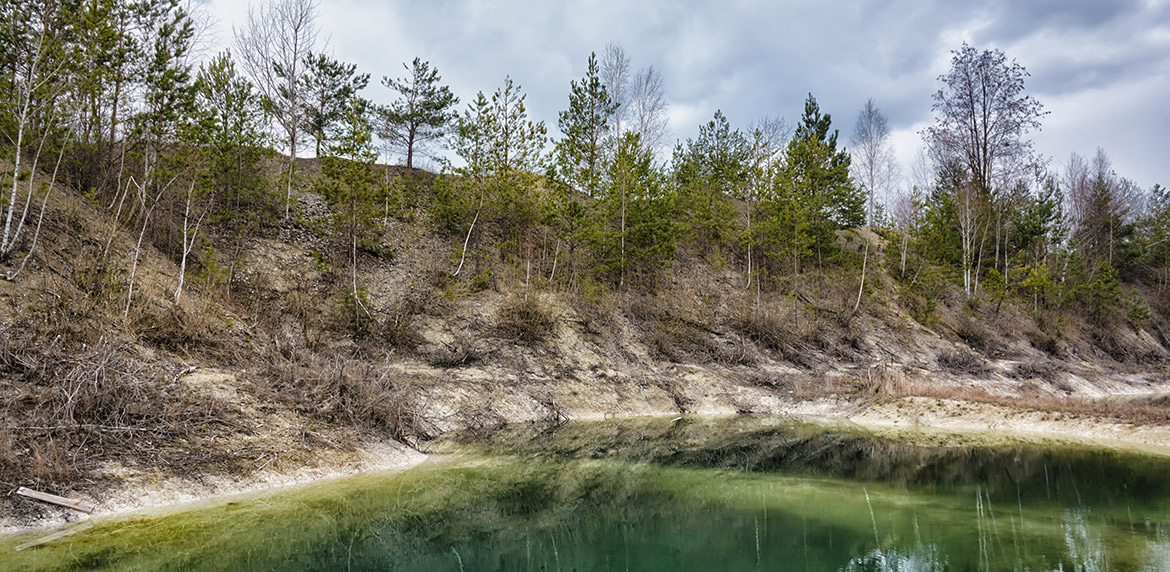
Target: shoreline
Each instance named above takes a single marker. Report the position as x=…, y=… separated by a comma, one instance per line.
x=970, y=422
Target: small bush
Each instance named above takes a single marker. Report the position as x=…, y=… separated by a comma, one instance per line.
x=67, y=407
x=527, y=319
x=481, y=281
x=675, y=339
x=1042, y=369
x=338, y=389
x=401, y=333
x=971, y=331
x=769, y=328
x=459, y=354
x=962, y=362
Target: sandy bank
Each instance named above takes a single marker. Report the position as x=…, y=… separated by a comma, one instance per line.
x=973, y=422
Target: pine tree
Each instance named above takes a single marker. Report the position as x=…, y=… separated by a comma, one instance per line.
x=231, y=130
x=820, y=171
x=1155, y=233
x=350, y=185
x=709, y=170
x=641, y=233
x=585, y=124
x=502, y=150
x=515, y=143
x=423, y=112
x=814, y=179
x=105, y=51
x=329, y=87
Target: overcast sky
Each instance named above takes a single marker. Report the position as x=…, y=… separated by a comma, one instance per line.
x=1101, y=68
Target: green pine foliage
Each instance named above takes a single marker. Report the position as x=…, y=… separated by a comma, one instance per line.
x=350, y=183
x=708, y=171
x=580, y=154
x=639, y=233
x=812, y=197
x=423, y=112
x=229, y=130
x=330, y=86
x=110, y=85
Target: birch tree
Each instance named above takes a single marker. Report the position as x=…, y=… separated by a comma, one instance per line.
x=273, y=44
x=648, y=107
x=982, y=118
x=615, y=75
x=33, y=121
x=1103, y=207
x=873, y=166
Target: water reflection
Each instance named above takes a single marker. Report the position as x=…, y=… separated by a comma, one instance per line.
x=894, y=561
x=657, y=495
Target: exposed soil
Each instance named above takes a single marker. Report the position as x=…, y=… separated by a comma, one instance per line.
x=121, y=488
x=265, y=372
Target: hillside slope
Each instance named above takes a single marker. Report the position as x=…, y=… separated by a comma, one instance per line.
x=268, y=365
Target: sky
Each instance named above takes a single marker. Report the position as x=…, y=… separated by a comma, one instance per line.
x=1101, y=68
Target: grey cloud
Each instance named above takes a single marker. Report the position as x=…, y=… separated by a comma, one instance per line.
x=1012, y=20
x=760, y=58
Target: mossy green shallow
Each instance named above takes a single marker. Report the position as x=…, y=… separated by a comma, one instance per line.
x=662, y=494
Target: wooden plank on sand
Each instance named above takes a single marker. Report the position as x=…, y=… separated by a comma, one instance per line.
x=46, y=497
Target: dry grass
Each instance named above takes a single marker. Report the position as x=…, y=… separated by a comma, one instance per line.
x=883, y=380
x=68, y=407
x=886, y=381
x=962, y=362
x=355, y=391
x=1136, y=411
x=528, y=319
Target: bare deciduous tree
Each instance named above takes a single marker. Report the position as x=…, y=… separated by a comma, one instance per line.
x=983, y=117
x=273, y=44
x=190, y=238
x=647, y=108
x=873, y=166
x=905, y=210
x=615, y=74
x=1101, y=204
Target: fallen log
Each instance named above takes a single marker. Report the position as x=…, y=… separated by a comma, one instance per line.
x=54, y=499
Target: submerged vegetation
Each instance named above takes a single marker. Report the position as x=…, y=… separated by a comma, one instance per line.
x=734, y=494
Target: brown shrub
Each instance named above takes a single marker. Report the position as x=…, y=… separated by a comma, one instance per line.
x=769, y=327
x=972, y=332
x=962, y=362
x=357, y=392
x=1042, y=369
x=72, y=406
x=528, y=319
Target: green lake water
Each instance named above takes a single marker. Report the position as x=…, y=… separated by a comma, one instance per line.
x=658, y=494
